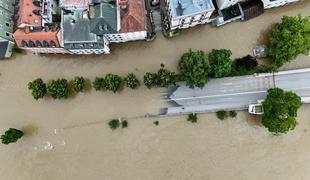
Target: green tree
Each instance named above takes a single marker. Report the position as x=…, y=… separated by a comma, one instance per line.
x=220, y=62
x=38, y=88
x=131, y=81
x=289, y=38
x=232, y=114
x=195, y=68
x=156, y=123
x=58, y=89
x=113, y=82
x=124, y=124
x=150, y=80
x=11, y=136
x=165, y=77
x=222, y=114
x=114, y=124
x=78, y=84
x=192, y=118
x=99, y=84
x=280, y=110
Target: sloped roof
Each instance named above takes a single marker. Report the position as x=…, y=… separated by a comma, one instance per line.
x=105, y=19
x=26, y=15
x=134, y=17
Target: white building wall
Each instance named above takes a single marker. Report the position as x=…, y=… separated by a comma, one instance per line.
x=106, y=50
x=125, y=37
x=222, y=4
x=191, y=21
x=276, y=3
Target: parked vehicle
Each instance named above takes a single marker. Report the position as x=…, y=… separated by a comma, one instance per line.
x=256, y=109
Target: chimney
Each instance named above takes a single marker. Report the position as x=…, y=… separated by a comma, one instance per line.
x=123, y=4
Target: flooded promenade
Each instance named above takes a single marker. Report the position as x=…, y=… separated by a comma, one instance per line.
x=70, y=140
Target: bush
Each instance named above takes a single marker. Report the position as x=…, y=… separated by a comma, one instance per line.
x=165, y=77
x=220, y=61
x=99, y=84
x=150, y=80
x=124, y=124
x=78, y=84
x=38, y=88
x=131, y=81
x=114, y=124
x=195, y=68
x=232, y=114
x=58, y=89
x=11, y=136
x=280, y=110
x=221, y=114
x=192, y=118
x=113, y=82
x=289, y=38
x=156, y=123
x=248, y=62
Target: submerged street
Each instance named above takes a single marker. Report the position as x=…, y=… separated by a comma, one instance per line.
x=234, y=149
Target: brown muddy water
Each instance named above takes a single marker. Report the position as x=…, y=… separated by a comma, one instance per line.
x=83, y=147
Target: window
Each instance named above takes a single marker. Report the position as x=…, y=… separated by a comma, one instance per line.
x=7, y=34
x=7, y=24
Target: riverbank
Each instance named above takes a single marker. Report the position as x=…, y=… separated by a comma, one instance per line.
x=176, y=149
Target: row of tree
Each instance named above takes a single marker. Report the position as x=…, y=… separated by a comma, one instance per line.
x=59, y=89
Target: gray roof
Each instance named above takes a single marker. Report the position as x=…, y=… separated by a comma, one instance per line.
x=182, y=8
x=105, y=19
x=77, y=33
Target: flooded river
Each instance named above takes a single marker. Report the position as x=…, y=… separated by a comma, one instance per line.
x=70, y=140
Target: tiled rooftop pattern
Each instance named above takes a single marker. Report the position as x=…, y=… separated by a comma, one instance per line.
x=133, y=18
x=26, y=15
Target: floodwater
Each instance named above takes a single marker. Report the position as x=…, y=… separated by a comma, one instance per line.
x=70, y=140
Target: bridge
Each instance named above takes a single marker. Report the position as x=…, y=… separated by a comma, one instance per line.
x=235, y=93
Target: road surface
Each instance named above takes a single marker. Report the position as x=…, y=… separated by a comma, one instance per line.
x=236, y=93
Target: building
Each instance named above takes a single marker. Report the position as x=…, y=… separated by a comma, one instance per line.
x=83, y=34
x=188, y=13
x=39, y=28
x=6, y=28
x=79, y=26
x=133, y=22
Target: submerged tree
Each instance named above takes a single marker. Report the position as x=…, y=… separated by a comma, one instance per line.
x=220, y=61
x=58, y=89
x=38, y=88
x=280, y=110
x=195, y=68
x=114, y=124
x=289, y=38
x=78, y=84
x=99, y=84
x=131, y=81
x=192, y=118
x=150, y=80
x=113, y=82
x=11, y=136
x=222, y=114
x=165, y=77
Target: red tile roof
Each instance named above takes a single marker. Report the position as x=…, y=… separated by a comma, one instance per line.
x=22, y=34
x=133, y=18
x=26, y=15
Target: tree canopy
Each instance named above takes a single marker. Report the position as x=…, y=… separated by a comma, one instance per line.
x=99, y=84
x=289, y=38
x=58, y=89
x=280, y=110
x=131, y=81
x=150, y=80
x=78, y=84
x=112, y=82
x=220, y=61
x=195, y=68
x=165, y=77
x=11, y=136
x=38, y=88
